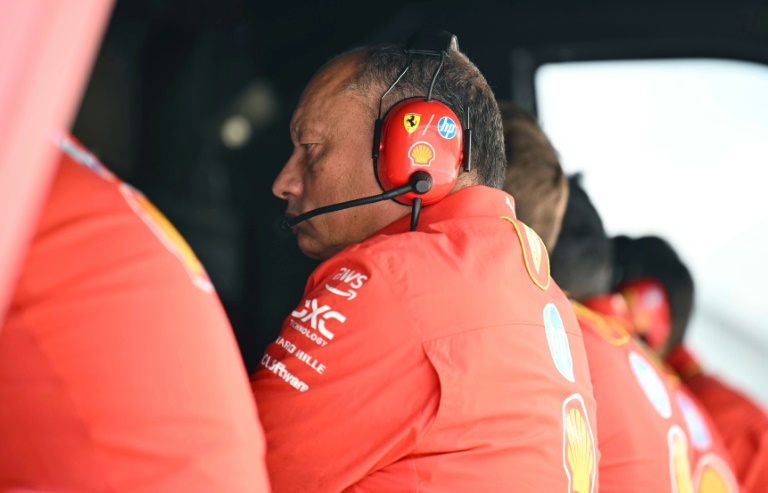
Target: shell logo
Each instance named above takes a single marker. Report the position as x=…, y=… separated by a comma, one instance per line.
x=679, y=464
x=714, y=476
x=421, y=154
x=171, y=239
x=579, y=458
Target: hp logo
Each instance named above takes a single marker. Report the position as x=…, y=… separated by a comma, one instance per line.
x=446, y=127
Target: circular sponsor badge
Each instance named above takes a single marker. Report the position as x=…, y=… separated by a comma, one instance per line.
x=558, y=341
x=651, y=383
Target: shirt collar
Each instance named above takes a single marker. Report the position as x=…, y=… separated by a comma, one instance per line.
x=472, y=201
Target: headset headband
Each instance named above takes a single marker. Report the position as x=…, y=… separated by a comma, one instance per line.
x=430, y=42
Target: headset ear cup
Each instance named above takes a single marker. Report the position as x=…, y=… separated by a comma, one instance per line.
x=419, y=135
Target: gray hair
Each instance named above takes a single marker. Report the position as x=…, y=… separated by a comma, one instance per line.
x=460, y=86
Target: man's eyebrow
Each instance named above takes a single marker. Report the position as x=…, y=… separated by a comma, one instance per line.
x=306, y=131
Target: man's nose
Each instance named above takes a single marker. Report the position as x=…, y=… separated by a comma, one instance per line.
x=288, y=182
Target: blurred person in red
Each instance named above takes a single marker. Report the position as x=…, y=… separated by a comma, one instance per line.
x=119, y=371
x=430, y=352
x=534, y=176
x=640, y=432
x=659, y=291
x=653, y=433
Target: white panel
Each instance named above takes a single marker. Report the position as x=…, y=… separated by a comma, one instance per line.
x=679, y=149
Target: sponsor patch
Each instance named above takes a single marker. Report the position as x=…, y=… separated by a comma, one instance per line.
x=346, y=282
x=534, y=242
x=421, y=154
x=714, y=476
x=171, y=239
x=300, y=354
x=317, y=315
x=679, y=463
x=697, y=427
x=447, y=127
x=558, y=341
x=411, y=122
x=278, y=368
x=539, y=275
x=651, y=383
x=579, y=456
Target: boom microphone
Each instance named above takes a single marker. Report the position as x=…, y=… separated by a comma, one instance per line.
x=419, y=182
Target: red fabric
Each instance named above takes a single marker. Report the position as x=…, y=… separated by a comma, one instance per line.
x=739, y=427
x=46, y=53
x=432, y=360
x=118, y=367
x=642, y=447
x=638, y=421
x=742, y=423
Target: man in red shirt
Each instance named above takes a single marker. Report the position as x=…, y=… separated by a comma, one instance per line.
x=642, y=431
x=431, y=351
x=119, y=371
x=653, y=435
x=659, y=291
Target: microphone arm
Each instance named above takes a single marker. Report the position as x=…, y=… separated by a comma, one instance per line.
x=419, y=182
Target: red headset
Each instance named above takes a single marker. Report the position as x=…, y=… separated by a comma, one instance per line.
x=421, y=135
x=648, y=305
x=418, y=147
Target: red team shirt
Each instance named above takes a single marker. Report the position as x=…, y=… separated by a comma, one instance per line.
x=118, y=367
x=653, y=433
x=438, y=360
x=742, y=423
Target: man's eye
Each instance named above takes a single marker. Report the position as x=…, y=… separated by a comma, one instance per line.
x=310, y=151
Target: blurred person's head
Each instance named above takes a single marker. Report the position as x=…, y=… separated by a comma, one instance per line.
x=582, y=260
x=333, y=131
x=658, y=288
x=534, y=176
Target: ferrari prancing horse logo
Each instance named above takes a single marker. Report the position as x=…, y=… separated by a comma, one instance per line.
x=411, y=122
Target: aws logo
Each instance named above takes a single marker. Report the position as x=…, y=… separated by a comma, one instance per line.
x=317, y=315
x=351, y=281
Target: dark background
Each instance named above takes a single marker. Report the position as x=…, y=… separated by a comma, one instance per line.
x=171, y=73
